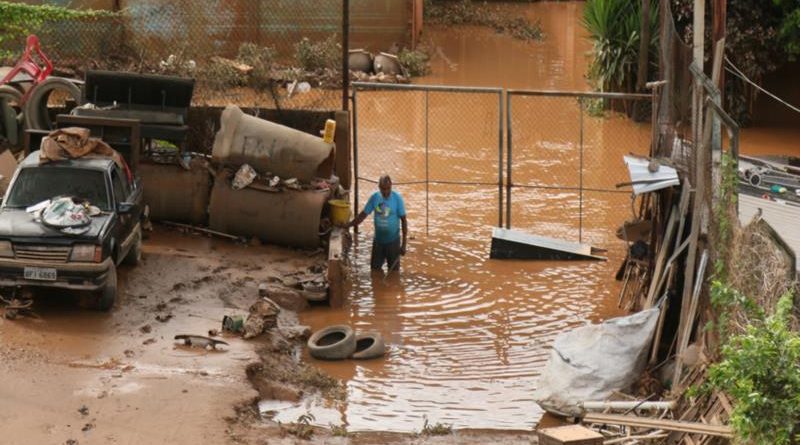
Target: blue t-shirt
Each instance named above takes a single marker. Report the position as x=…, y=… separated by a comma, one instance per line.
x=388, y=212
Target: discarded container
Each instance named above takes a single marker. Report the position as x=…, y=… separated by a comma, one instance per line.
x=234, y=323
x=777, y=189
x=244, y=177
x=360, y=60
x=340, y=211
x=270, y=147
x=330, y=129
x=174, y=194
x=387, y=64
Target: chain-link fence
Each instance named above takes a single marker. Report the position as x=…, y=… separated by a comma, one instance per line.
x=565, y=159
x=543, y=162
x=442, y=146
x=254, y=53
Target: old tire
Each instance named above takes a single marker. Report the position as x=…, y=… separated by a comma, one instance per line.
x=369, y=345
x=134, y=256
x=108, y=294
x=11, y=114
x=35, y=110
x=332, y=343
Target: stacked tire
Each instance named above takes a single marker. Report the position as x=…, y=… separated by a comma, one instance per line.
x=339, y=342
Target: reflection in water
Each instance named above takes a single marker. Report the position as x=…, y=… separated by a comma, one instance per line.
x=467, y=336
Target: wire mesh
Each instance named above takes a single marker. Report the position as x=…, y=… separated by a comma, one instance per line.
x=276, y=54
x=441, y=148
x=564, y=146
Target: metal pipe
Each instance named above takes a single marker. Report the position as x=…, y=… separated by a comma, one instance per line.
x=660, y=405
x=410, y=87
x=508, y=160
x=588, y=94
x=580, y=176
x=345, y=53
x=500, y=160
x=355, y=157
x=427, y=172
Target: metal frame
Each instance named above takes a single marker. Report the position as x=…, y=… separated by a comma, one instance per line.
x=427, y=89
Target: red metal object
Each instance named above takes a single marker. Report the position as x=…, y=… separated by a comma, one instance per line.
x=33, y=62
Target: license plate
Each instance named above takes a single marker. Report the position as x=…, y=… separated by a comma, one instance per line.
x=40, y=273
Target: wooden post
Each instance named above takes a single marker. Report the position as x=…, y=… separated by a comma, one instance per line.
x=342, y=139
x=666, y=116
x=719, y=31
x=345, y=54
x=644, y=46
x=335, y=272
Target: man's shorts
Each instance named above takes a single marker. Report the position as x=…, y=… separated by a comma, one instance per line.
x=388, y=253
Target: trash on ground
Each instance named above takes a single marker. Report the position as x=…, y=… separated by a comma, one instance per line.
x=263, y=317
x=199, y=341
x=233, y=323
x=591, y=362
x=244, y=177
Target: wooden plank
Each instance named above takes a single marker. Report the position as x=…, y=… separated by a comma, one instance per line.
x=335, y=272
x=668, y=425
x=662, y=256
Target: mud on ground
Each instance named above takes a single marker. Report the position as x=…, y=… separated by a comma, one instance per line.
x=72, y=375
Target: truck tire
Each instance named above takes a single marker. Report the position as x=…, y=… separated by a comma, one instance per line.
x=332, y=343
x=108, y=294
x=11, y=113
x=369, y=345
x=37, y=116
x=134, y=256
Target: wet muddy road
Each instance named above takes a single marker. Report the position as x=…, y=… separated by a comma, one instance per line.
x=136, y=384
x=468, y=335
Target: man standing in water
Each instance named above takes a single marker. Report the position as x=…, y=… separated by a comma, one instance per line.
x=390, y=211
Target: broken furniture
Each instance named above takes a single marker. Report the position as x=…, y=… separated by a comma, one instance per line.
x=160, y=103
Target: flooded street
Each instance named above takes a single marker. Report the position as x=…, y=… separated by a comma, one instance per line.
x=467, y=335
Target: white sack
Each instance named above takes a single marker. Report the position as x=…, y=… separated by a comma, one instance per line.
x=591, y=362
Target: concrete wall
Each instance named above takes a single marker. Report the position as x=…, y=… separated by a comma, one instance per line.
x=219, y=26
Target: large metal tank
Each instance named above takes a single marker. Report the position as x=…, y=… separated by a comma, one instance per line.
x=176, y=194
x=289, y=218
x=270, y=147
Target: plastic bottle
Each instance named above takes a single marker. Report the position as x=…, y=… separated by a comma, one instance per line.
x=330, y=129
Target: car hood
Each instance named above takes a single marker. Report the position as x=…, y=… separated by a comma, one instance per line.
x=17, y=223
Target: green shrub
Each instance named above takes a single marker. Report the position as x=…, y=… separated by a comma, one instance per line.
x=615, y=29
x=466, y=12
x=415, y=62
x=760, y=370
x=313, y=56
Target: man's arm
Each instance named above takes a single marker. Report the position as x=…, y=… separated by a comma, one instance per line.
x=357, y=220
x=404, y=227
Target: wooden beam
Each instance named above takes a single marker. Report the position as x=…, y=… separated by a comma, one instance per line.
x=667, y=425
x=335, y=272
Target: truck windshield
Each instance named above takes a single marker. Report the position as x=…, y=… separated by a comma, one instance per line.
x=34, y=185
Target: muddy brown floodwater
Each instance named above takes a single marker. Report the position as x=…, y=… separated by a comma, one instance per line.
x=468, y=336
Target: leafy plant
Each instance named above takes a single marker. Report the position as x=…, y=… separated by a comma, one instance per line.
x=760, y=370
x=313, y=56
x=615, y=29
x=19, y=20
x=415, y=62
x=435, y=429
x=466, y=12
x=302, y=428
x=339, y=430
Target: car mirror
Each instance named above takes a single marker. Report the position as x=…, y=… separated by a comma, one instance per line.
x=124, y=207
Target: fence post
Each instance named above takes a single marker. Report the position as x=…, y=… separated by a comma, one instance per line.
x=500, y=160
x=508, y=161
x=355, y=156
x=427, y=177
x=580, y=176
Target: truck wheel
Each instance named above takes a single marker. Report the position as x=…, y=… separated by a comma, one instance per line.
x=107, y=295
x=134, y=256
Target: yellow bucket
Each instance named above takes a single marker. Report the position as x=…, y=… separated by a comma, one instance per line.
x=340, y=211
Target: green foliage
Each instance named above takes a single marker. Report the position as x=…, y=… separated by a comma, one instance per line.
x=313, y=56
x=467, y=12
x=760, y=370
x=435, y=429
x=20, y=20
x=302, y=428
x=339, y=430
x=415, y=62
x=727, y=200
x=261, y=59
x=789, y=30
x=615, y=29
x=726, y=300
